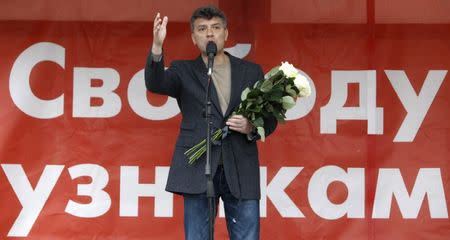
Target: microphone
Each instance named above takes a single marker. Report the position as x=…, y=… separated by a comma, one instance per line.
x=211, y=51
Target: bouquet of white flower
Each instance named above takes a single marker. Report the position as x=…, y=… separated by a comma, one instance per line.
x=269, y=97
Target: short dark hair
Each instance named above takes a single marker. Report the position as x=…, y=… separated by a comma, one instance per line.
x=208, y=12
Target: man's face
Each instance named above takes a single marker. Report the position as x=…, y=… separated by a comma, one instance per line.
x=209, y=30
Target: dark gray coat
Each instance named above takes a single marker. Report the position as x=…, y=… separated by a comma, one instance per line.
x=186, y=81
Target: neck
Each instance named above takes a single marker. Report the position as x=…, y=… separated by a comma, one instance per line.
x=219, y=59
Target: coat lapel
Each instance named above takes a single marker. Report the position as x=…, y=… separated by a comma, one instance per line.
x=200, y=72
x=237, y=80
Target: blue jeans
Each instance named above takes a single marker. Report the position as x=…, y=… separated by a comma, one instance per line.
x=242, y=216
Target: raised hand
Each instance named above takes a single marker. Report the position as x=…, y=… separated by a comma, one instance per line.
x=159, y=33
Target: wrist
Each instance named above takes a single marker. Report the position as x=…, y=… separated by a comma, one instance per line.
x=156, y=49
x=252, y=135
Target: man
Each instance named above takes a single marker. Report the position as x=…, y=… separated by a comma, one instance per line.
x=234, y=161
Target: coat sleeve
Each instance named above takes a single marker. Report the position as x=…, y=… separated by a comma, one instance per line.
x=161, y=81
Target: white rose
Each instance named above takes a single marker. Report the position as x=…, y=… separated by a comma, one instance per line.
x=302, y=85
x=288, y=70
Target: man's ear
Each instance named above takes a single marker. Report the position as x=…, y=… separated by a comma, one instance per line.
x=226, y=34
x=193, y=39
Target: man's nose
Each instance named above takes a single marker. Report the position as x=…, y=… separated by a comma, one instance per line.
x=209, y=32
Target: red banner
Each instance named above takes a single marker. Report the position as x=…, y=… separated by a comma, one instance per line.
x=85, y=149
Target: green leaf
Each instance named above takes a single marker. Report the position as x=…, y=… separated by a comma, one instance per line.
x=272, y=72
x=277, y=77
x=269, y=107
x=249, y=105
x=266, y=86
x=254, y=93
x=288, y=102
x=261, y=133
x=291, y=92
x=258, y=122
x=259, y=100
x=244, y=94
x=279, y=116
x=257, y=83
x=258, y=108
x=275, y=96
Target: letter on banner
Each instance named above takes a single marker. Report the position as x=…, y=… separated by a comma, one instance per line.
x=19, y=81
x=275, y=192
x=32, y=200
x=83, y=92
x=137, y=97
x=318, y=197
x=367, y=109
x=428, y=183
x=131, y=190
x=415, y=105
x=100, y=200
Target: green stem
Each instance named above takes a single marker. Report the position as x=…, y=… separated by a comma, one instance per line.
x=199, y=149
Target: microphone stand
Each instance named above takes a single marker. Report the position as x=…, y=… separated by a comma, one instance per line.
x=210, y=194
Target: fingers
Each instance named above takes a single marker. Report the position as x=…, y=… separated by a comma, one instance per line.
x=159, y=23
x=164, y=22
x=239, y=123
x=155, y=21
x=236, y=120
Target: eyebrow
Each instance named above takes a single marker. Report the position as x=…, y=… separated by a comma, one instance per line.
x=205, y=25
